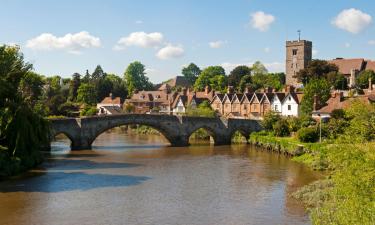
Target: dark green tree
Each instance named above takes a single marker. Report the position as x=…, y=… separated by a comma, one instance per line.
x=74, y=84
x=98, y=73
x=31, y=87
x=191, y=72
x=316, y=69
x=87, y=94
x=235, y=76
x=337, y=80
x=258, y=68
x=135, y=77
x=87, y=78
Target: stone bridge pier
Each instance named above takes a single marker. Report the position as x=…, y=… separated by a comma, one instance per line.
x=176, y=129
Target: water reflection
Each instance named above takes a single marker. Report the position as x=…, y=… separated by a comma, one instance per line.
x=129, y=179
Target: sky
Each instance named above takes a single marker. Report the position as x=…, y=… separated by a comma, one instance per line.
x=64, y=37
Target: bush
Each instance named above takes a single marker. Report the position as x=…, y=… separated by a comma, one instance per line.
x=89, y=111
x=281, y=128
x=338, y=114
x=269, y=120
x=308, y=134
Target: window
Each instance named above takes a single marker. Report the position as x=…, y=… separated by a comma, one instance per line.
x=294, y=51
x=290, y=98
x=276, y=108
x=289, y=107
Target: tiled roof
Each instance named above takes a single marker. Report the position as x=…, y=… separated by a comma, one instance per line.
x=110, y=100
x=346, y=65
x=179, y=81
x=370, y=65
x=113, y=109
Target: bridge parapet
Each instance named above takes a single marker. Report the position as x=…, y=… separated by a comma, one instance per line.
x=177, y=129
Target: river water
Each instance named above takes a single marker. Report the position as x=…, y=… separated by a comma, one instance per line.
x=136, y=179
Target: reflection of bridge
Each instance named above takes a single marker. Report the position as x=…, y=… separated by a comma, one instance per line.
x=177, y=129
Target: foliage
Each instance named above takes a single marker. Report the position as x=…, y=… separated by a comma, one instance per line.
x=245, y=82
x=191, y=72
x=308, y=134
x=236, y=75
x=135, y=77
x=274, y=80
x=204, y=109
x=363, y=78
x=318, y=87
x=270, y=119
x=87, y=94
x=208, y=75
x=67, y=109
x=337, y=80
x=316, y=69
x=89, y=111
x=74, y=84
x=129, y=108
x=31, y=87
x=258, y=68
x=281, y=128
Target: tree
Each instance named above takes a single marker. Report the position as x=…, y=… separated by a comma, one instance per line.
x=218, y=83
x=316, y=69
x=207, y=76
x=118, y=86
x=258, y=68
x=135, y=77
x=337, y=80
x=74, y=84
x=87, y=94
x=363, y=78
x=191, y=72
x=98, y=73
x=246, y=81
x=31, y=87
x=235, y=76
x=318, y=87
x=87, y=78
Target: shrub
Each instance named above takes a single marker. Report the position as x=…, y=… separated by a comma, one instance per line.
x=89, y=111
x=308, y=134
x=270, y=119
x=281, y=128
x=338, y=114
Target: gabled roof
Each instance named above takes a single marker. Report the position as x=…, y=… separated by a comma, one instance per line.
x=370, y=65
x=218, y=96
x=178, y=81
x=267, y=96
x=183, y=98
x=280, y=96
x=258, y=96
x=346, y=65
x=228, y=96
x=238, y=97
x=247, y=96
x=110, y=100
x=113, y=109
x=297, y=97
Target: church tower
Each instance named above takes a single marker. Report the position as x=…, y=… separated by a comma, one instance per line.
x=298, y=55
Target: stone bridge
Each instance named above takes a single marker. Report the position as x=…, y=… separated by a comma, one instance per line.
x=176, y=129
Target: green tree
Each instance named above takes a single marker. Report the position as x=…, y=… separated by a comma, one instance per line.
x=74, y=84
x=235, y=76
x=191, y=72
x=118, y=86
x=337, y=80
x=316, y=69
x=318, y=87
x=246, y=81
x=87, y=94
x=31, y=87
x=218, y=83
x=258, y=68
x=207, y=76
x=98, y=73
x=135, y=77
x=363, y=78
x=87, y=78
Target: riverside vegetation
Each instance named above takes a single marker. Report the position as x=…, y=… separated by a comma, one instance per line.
x=347, y=154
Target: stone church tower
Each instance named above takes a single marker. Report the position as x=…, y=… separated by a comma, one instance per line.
x=298, y=55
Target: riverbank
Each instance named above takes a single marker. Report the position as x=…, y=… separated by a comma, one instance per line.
x=346, y=194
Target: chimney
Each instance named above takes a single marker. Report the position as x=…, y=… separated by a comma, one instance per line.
x=206, y=90
x=248, y=90
x=110, y=95
x=230, y=90
x=316, y=103
x=273, y=90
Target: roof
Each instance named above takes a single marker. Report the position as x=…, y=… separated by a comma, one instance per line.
x=219, y=96
x=113, y=109
x=346, y=65
x=238, y=96
x=297, y=96
x=248, y=96
x=183, y=98
x=280, y=95
x=178, y=81
x=370, y=65
x=110, y=100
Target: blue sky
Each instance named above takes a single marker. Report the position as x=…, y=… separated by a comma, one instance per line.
x=165, y=35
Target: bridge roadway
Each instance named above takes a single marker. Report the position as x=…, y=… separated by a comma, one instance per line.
x=177, y=129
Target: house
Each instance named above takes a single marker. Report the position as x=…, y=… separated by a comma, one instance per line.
x=290, y=105
x=255, y=106
x=217, y=103
x=276, y=102
x=109, y=106
x=190, y=99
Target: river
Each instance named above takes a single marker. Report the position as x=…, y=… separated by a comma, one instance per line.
x=136, y=179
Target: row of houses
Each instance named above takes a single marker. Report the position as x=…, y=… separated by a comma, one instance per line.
x=252, y=105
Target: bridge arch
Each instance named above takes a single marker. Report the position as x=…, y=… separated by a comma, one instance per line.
x=101, y=130
x=209, y=131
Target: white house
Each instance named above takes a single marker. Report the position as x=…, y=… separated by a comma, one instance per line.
x=109, y=106
x=276, y=102
x=290, y=104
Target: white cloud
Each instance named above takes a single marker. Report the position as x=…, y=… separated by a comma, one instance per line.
x=347, y=45
x=139, y=22
x=73, y=43
x=371, y=42
x=271, y=67
x=267, y=49
x=261, y=21
x=216, y=44
x=314, y=52
x=140, y=39
x=352, y=20
x=170, y=52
